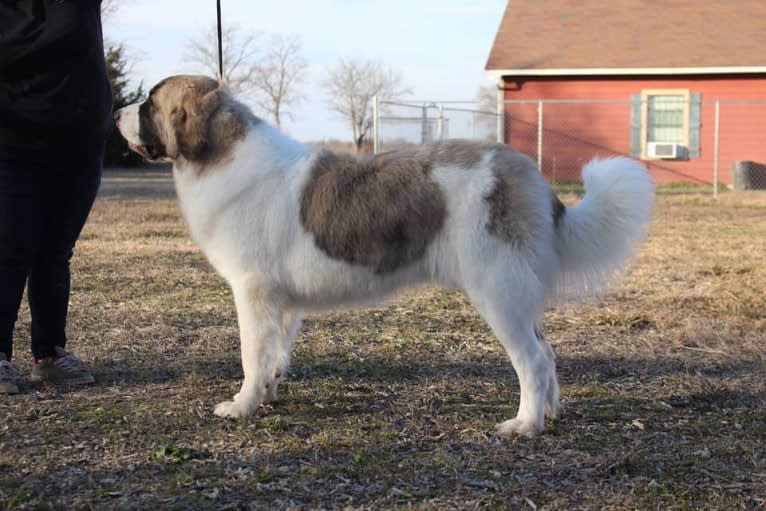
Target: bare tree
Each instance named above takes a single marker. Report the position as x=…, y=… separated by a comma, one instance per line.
x=486, y=97
x=351, y=86
x=108, y=8
x=276, y=77
x=486, y=121
x=240, y=55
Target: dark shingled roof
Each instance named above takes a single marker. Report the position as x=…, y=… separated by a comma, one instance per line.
x=626, y=34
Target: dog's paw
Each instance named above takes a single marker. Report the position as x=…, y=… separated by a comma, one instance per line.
x=232, y=410
x=519, y=427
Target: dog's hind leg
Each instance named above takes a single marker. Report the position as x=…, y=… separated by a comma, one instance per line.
x=260, y=316
x=291, y=323
x=552, y=404
x=511, y=304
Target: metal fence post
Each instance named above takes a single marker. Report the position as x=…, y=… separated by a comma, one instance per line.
x=540, y=136
x=375, y=124
x=440, y=123
x=716, y=147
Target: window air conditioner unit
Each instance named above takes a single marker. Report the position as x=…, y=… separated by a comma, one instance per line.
x=664, y=150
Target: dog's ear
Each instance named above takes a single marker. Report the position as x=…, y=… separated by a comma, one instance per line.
x=191, y=123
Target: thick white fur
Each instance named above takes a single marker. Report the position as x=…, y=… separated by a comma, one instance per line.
x=598, y=235
x=245, y=217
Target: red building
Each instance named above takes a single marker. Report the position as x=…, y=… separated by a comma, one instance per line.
x=680, y=85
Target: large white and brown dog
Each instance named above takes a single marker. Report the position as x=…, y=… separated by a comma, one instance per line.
x=292, y=228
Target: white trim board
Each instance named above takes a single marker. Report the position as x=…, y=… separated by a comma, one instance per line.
x=497, y=74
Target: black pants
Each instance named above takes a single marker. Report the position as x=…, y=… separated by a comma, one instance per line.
x=43, y=208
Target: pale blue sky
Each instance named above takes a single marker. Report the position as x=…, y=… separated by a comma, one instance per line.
x=439, y=46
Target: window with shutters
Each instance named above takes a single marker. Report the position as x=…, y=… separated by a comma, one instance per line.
x=666, y=116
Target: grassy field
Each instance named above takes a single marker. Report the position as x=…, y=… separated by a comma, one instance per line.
x=663, y=386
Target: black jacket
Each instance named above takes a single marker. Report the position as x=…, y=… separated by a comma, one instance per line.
x=54, y=91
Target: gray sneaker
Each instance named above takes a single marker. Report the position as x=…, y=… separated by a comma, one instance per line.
x=10, y=376
x=65, y=368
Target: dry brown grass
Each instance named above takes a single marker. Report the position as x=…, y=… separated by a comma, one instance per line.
x=663, y=384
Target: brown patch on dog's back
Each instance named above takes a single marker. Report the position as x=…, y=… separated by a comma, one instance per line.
x=464, y=154
x=380, y=212
x=514, y=215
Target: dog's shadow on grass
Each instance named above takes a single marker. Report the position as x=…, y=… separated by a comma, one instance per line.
x=600, y=369
x=228, y=368
x=415, y=370
x=148, y=370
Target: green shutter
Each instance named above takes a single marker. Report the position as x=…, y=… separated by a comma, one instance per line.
x=695, y=111
x=635, y=125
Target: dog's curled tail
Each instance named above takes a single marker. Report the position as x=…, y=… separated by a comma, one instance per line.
x=596, y=238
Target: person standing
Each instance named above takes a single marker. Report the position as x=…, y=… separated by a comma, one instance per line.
x=55, y=114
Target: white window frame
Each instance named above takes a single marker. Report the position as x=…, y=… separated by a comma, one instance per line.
x=648, y=93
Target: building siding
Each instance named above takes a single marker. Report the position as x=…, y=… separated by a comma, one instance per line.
x=597, y=122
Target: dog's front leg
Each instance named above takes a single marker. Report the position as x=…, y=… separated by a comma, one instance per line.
x=259, y=315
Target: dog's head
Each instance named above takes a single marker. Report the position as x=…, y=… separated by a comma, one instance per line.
x=184, y=117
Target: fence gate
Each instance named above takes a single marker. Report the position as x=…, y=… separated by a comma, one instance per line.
x=398, y=124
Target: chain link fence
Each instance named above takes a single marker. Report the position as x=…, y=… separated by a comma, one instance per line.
x=688, y=144
x=741, y=148
x=400, y=124
x=694, y=144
